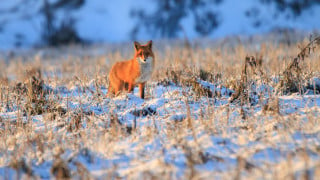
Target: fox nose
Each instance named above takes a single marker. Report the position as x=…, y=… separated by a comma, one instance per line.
x=145, y=60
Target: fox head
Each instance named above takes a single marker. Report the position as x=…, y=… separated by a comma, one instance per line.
x=143, y=53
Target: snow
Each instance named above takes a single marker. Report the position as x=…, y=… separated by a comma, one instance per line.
x=138, y=152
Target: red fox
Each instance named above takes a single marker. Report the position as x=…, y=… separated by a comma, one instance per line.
x=126, y=74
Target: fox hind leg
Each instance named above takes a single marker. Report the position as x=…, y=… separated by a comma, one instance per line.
x=126, y=86
x=130, y=87
x=110, y=91
x=116, y=85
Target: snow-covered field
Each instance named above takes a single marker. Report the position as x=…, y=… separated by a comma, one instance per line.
x=175, y=133
x=161, y=143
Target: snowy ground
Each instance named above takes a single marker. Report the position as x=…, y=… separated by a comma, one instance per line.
x=170, y=134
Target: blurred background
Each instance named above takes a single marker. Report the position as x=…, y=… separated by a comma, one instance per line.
x=38, y=23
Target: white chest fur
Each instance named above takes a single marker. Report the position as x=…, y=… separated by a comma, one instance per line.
x=146, y=68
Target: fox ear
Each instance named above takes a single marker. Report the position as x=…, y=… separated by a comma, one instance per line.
x=136, y=45
x=149, y=44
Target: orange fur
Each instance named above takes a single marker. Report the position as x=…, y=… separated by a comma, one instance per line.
x=126, y=74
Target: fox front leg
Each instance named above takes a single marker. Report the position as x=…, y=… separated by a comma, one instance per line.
x=141, y=87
